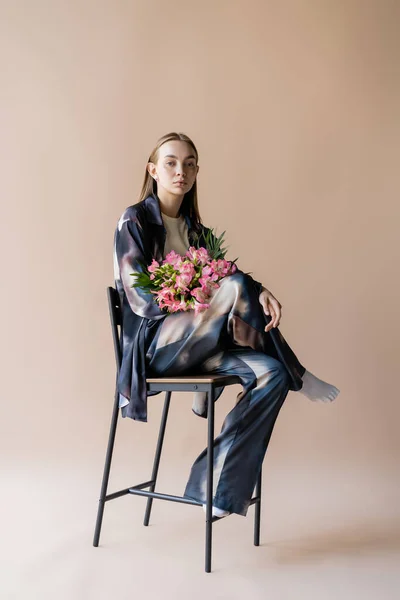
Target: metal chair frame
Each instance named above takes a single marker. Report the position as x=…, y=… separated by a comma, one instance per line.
x=168, y=385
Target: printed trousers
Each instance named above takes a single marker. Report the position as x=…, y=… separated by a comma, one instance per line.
x=227, y=338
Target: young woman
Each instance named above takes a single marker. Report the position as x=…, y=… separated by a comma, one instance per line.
x=238, y=334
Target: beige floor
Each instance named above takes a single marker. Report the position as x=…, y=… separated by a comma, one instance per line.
x=328, y=537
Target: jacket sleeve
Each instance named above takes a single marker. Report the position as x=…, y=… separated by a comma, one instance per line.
x=129, y=255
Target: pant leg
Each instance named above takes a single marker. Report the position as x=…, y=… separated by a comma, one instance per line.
x=240, y=447
x=234, y=323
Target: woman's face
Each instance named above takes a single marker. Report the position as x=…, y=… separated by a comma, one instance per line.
x=176, y=168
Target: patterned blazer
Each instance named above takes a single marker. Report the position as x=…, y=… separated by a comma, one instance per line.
x=140, y=237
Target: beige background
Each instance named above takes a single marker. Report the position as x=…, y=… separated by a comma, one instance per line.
x=294, y=109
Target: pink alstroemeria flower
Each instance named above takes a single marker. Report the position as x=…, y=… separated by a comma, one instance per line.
x=179, y=305
x=154, y=265
x=198, y=254
x=200, y=294
x=174, y=259
x=207, y=271
x=208, y=284
x=183, y=281
x=187, y=268
x=165, y=295
x=221, y=267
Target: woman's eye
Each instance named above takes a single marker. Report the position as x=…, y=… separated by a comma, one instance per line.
x=171, y=163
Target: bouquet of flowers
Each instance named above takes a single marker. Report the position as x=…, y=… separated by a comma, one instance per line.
x=182, y=283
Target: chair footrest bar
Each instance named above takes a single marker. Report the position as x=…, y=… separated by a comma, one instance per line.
x=181, y=499
x=127, y=490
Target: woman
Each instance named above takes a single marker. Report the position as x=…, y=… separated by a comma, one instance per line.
x=238, y=334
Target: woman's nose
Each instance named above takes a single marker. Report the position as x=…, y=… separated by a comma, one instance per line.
x=180, y=171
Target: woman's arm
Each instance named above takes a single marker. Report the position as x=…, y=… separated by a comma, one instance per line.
x=129, y=255
x=270, y=304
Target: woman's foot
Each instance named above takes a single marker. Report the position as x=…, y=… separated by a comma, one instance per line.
x=316, y=389
x=217, y=512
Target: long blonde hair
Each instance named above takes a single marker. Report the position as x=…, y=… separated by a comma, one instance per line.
x=189, y=204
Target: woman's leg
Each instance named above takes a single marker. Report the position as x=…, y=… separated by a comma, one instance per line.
x=234, y=323
x=240, y=447
x=235, y=318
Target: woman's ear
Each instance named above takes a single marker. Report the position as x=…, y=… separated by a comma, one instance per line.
x=151, y=167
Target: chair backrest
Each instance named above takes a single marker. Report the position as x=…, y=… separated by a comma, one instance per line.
x=114, y=306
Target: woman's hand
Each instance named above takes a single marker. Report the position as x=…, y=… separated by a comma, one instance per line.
x=271, y=307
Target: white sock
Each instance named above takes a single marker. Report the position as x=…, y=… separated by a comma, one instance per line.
x=217, y=512
x=316, y=389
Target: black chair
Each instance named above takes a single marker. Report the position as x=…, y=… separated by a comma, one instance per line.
x=194, y=383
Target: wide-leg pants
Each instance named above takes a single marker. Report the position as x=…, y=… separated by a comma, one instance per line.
x=227, y=338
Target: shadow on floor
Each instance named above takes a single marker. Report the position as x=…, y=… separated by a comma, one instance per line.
x=354, y=539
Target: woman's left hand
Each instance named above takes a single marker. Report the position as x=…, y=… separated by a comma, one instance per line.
x=271, y=307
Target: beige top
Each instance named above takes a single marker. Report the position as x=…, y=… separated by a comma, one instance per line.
x=177, y=234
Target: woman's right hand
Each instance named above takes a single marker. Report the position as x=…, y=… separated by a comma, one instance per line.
x=272, y=307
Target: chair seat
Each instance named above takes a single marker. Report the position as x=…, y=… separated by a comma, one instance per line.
x=196, y=379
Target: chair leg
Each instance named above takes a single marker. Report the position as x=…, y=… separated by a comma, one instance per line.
x=257, y=513
x=106, y=472
x=210, y=471
x=157, y=456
